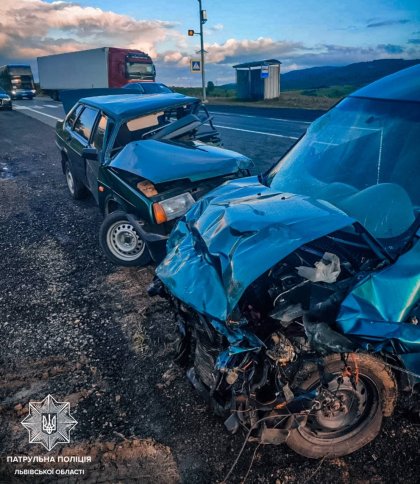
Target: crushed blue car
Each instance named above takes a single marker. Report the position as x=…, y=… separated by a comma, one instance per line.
x=296, y=293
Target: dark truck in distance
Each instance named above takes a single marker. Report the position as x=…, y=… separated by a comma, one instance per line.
x=146, y=159
x=17, y=80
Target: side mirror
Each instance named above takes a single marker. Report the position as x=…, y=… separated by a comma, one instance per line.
x=90, y=154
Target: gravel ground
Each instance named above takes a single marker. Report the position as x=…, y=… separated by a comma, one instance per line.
x=74, y=326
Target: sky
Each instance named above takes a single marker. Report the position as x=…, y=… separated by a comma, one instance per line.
x=300, y=33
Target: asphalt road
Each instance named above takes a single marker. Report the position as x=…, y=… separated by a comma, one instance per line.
x=263, y=134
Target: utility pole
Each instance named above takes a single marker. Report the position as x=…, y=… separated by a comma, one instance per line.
x=203, y=20
x=191, y=32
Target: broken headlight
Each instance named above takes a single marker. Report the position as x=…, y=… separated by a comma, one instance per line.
x=147, y=188
x=172, y=208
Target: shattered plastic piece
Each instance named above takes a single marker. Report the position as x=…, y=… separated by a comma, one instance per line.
x=232, y=423
x=326, y=270
x=288, y=315
x=325, y=340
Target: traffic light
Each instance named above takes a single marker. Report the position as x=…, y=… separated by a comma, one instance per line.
x=191, y=33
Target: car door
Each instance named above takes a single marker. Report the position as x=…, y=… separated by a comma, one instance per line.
x=67, y=132
x=81, y=133
x=98, y=141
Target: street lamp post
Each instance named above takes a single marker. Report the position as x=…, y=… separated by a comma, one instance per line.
x=191, y=32
x=203, y=20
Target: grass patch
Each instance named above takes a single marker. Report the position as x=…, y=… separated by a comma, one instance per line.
x=217, y=92
x=335, y=92
x=321, y=98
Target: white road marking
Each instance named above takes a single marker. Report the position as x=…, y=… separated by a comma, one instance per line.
x=260, y=117
x=288, y=120
x=256, y=132
x=51, y=105
x=39, y=112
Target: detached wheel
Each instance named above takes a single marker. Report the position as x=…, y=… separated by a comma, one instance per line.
x=121, y=243
x=76, y=188
x=347, y=415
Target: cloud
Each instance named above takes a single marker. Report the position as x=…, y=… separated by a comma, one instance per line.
x=386, y=23
x=234, y=50
x=391, y=48
x=218, y=27
x=214, y=28
x=414, y=41
x=31, y=28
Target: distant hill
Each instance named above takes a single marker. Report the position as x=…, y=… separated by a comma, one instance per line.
x=231, y=85
x=356, y=75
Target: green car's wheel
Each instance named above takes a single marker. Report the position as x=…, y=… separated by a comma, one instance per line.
x=76, y=188
x=121, y=243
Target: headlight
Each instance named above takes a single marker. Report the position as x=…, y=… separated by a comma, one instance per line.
x=33, y=91
x=7, y=98
x=172, y=207
x=147, y=188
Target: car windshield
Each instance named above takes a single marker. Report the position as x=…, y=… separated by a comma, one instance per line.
x=138, y=69
x=155, y=88
x=173, y=123
x=363, y=156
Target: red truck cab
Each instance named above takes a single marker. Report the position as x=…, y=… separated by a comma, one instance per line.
x=126, y=65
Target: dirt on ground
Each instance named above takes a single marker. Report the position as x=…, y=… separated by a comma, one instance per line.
x=74, y=326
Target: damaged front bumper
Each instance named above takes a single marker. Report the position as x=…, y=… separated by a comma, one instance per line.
x=155, y=242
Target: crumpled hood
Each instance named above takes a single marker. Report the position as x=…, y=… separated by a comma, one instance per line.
x=163, y=161
x=235, y=234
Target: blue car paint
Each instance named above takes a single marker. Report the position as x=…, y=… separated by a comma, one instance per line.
x=121, y=104
x=400, y=86
x=176, y=162
x=235, y=234
x=374, y=311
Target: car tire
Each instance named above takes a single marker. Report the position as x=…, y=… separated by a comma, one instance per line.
x=121, y=243
x=334, y=433
x=76, y=188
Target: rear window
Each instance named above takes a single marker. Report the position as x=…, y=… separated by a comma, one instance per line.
x=84, y=124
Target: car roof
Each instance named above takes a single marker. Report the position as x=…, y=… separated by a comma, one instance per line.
x=125, y=106
x=403, y=85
